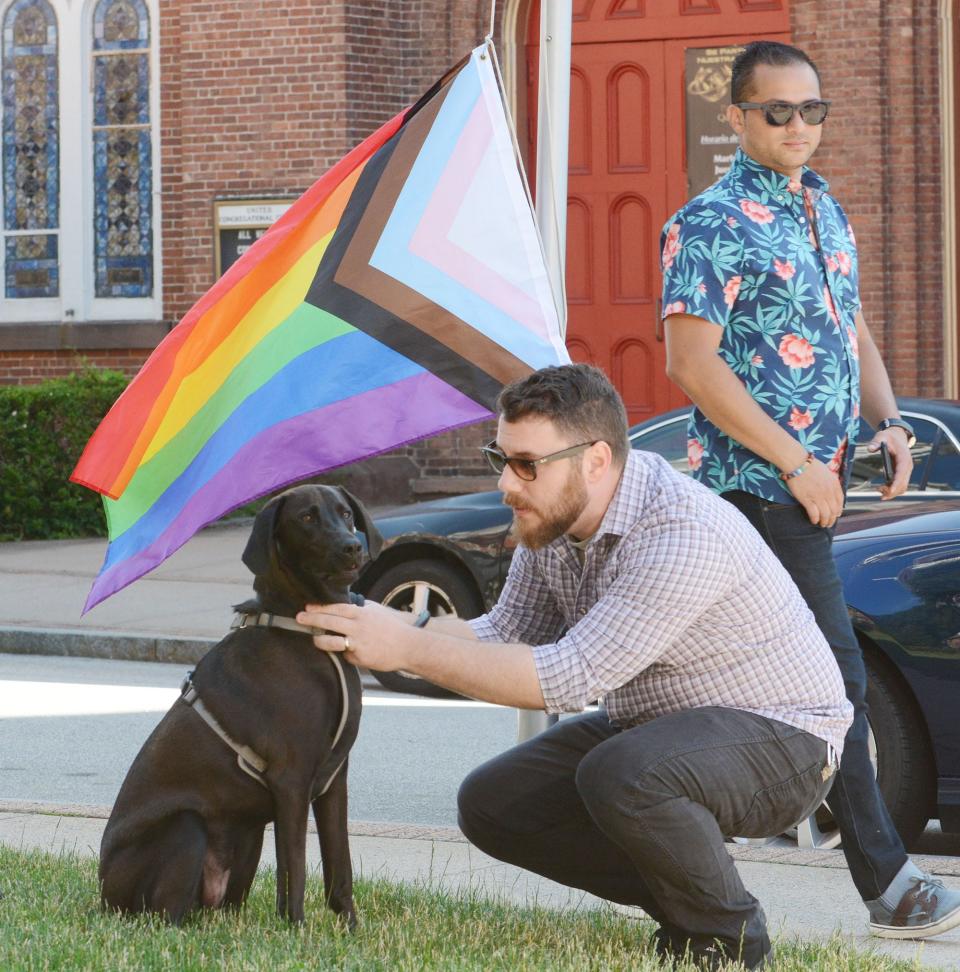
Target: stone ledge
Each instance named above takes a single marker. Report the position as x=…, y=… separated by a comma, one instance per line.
x=785, y=853
x=85, y=336
x=103, y=644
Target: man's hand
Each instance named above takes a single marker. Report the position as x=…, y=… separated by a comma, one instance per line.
x=896, y=440
x=376, y=635
x=817, y=489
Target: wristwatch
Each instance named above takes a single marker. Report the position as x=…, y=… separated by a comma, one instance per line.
x=899, y=423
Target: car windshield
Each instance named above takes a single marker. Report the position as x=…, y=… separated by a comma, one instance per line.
x=668, y=440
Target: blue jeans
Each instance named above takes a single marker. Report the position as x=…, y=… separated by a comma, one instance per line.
x=638, y=815
x=871, y=844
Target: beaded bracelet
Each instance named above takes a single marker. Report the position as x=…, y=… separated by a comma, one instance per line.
x=786, y=477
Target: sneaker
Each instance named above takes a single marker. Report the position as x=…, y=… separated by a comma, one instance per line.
x=676, y=947
x=926, y=908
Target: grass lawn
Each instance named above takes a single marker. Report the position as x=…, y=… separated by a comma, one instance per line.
x=50, y=918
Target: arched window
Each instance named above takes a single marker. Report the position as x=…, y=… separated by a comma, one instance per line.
x=122, y=157
x=79, y=177
x=31, y=151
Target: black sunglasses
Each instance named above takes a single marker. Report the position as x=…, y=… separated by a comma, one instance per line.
x=527, y=468
x=779, y=113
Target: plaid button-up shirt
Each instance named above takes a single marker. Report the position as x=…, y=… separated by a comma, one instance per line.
x=679, y=604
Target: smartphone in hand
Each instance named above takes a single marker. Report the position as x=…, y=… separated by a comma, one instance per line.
x=887, y=463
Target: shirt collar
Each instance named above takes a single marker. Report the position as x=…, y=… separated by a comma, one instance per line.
x=621, y=515
x=756, y=179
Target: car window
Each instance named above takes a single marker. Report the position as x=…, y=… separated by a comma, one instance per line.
x=944, y=471
x=669, y=441
x=867, y=473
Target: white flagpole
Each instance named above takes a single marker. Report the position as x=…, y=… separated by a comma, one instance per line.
x=553, y=133
x=553, y=128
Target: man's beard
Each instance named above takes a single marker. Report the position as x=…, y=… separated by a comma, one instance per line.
x=554, y=522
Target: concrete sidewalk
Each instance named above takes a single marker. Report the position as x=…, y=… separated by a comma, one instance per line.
x=175, y=614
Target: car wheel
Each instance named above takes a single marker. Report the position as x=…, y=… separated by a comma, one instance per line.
x=413, y=586
x=905, y=768
x=900, y=755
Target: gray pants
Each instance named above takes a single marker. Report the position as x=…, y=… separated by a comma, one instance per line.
x=639, y=816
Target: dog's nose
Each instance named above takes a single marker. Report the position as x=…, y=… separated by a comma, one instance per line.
x=353, y=548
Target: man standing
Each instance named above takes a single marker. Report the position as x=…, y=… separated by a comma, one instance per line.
x=765, y=333
x=723, y=706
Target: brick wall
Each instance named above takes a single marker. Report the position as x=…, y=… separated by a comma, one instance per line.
x=29, y=367
x=305, y=82
x=295, y=101
x=880, y=151
x=259, y=99
x=255, y=105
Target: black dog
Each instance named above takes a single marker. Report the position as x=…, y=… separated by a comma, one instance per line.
x=186, y=830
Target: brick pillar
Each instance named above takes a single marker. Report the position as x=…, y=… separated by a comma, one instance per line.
x=880, y=152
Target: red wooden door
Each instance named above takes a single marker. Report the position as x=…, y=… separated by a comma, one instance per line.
x=627, y=170
x=616, y=205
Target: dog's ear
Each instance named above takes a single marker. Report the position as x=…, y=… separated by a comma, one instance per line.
x=258, y=553
x=364, y=523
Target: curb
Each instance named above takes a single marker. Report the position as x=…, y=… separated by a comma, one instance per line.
x=116, y=646
x=356, y=828
x=95, y=643
x=773, y=853
x=406, y=831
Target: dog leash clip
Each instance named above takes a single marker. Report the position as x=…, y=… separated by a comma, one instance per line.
x=187, y=692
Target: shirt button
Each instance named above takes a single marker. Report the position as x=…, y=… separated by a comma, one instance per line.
x=779, y=198
x=803, y=219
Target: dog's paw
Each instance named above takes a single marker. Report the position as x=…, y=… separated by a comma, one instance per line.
x=348, y=918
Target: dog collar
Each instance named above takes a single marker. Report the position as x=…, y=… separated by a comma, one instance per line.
x=248, y=619
x=265, y=620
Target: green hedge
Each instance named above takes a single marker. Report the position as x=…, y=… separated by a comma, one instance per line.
x=43, y=429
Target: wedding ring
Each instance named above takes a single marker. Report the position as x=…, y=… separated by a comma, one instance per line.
x=346, y=643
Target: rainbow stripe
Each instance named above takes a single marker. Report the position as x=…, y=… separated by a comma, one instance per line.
x=389, y=303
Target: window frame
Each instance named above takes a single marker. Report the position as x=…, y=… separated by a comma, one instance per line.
x=77, y=303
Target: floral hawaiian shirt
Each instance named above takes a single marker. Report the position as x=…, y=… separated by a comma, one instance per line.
x=744, y=255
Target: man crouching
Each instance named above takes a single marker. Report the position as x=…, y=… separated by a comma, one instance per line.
x=723, y=709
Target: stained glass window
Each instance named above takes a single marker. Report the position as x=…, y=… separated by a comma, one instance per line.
x=31, y=150
x=122, y=163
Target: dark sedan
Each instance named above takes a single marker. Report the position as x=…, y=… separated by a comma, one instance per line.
x=900, y=563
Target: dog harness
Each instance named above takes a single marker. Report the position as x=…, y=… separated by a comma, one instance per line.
x=252, y=764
